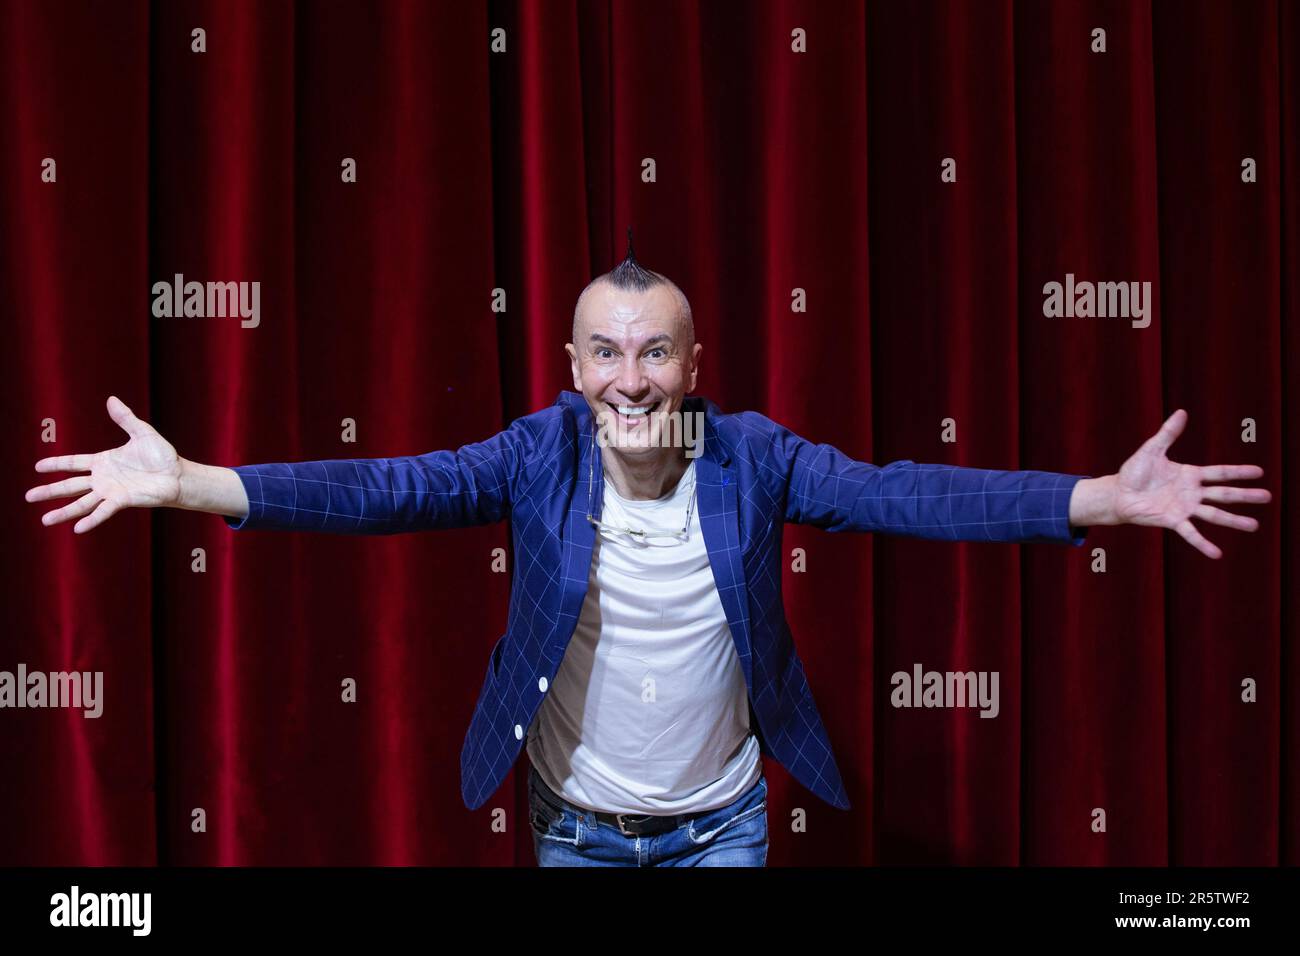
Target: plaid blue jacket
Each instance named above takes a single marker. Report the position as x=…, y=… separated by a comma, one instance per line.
x=752, y=477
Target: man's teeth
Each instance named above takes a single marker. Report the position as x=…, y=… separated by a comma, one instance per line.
x=633, y=411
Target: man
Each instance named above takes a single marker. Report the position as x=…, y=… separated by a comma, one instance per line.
x=647, y=659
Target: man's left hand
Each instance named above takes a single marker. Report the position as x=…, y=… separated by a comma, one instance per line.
x=1152, y=490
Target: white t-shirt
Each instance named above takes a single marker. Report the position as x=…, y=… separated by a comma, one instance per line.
x=649, y=711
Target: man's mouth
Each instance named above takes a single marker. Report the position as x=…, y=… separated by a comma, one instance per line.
x=632, y=414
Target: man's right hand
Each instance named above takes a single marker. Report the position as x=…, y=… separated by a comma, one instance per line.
x=143, y=473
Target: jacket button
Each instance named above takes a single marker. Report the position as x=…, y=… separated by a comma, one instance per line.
x=519, y=732
x=541, y=684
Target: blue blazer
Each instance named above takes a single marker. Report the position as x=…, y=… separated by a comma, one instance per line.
x=752, y=475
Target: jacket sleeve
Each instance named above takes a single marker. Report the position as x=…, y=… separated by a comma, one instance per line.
x=830, y=490
x=472, y=485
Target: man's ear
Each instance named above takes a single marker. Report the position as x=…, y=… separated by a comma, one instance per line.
x=574, y=367
x=695, y=364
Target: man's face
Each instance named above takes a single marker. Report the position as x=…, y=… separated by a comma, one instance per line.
x=633, y=353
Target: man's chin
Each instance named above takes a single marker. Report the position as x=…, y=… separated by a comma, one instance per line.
x=637, y=443
x=634, y=449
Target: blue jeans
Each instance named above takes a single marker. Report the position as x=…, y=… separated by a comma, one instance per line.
x=569, y=835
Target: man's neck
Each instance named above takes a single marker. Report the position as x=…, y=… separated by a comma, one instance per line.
x=644, y=477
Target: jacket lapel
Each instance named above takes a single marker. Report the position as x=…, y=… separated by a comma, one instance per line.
x=720, y=521
x=579, y=533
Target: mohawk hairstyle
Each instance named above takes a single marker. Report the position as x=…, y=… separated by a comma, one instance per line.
x=630, y=276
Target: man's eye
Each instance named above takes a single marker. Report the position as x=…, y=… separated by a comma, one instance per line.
x=601, y=353
x=660, y=351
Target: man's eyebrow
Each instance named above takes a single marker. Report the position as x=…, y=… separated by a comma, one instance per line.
x=597, y=338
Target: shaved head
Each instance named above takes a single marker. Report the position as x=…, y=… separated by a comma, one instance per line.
x=629, y=276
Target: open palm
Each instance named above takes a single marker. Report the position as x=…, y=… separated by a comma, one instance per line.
x=143, y=473
x=1152, y=490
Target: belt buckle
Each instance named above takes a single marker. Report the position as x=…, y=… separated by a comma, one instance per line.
x=618, y=818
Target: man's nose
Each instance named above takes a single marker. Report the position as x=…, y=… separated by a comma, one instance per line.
x=631, y=379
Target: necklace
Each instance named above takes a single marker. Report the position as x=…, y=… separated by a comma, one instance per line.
x=637, y=534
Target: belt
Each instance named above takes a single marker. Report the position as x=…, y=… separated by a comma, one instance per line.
x=642, y=824
x=628, y=824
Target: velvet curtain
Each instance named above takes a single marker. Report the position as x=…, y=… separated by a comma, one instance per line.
x=846, y=280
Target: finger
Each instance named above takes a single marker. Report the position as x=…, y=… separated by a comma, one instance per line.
x=101, y=514
x=1196, y=539
x=1226, y=518
x=1230, y=472
x=75, y=510
x=59, y=489
x=1171, y=429
x=118, y=411
x=1226, y=495
x=65, y=463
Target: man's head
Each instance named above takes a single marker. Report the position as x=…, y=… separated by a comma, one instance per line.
x=633, y=348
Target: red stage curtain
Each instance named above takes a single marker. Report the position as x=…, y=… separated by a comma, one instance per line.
x=775, y=171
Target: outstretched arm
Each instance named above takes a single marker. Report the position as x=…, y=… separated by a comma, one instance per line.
x=830, y=490
x=1149, y=489
x=442, y=489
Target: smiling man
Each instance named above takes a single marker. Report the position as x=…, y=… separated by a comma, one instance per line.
x=647, y=659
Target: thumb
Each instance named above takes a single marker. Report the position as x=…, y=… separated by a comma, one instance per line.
x=125, y=418
x=1171, y=429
